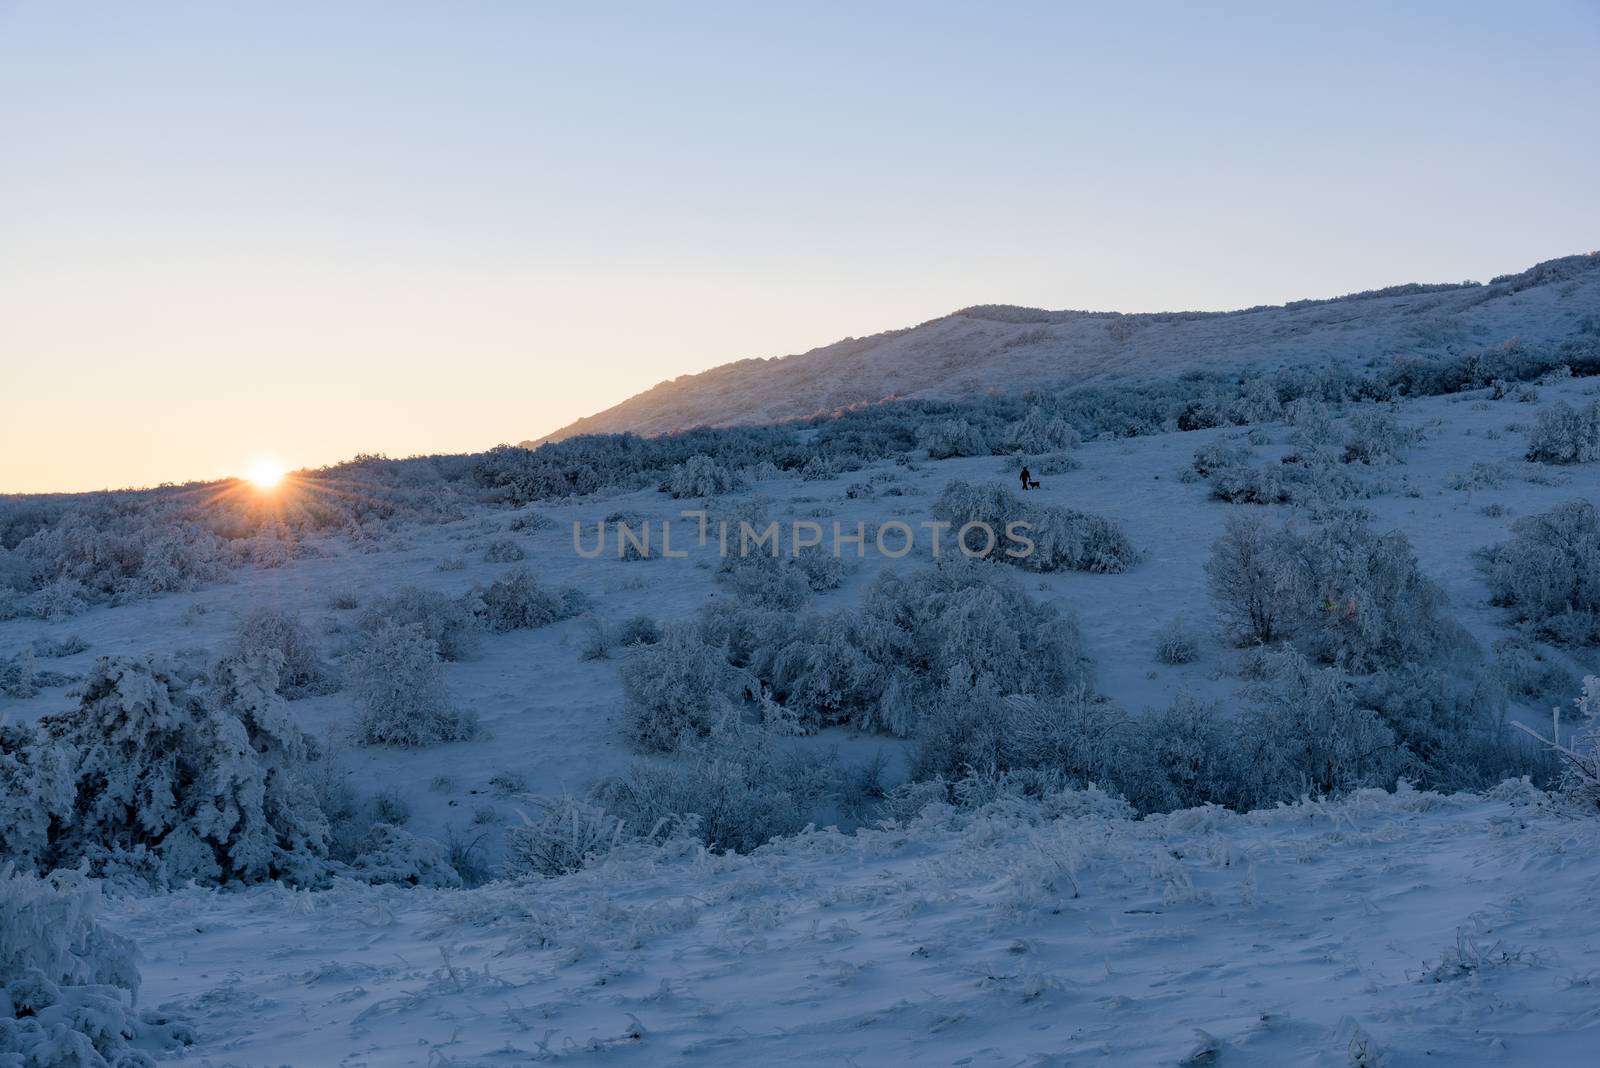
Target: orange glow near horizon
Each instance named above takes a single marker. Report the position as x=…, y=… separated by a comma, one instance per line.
x=266, y=474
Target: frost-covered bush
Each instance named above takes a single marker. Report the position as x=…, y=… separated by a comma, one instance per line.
x=821, y=569
x=952, y=437
x=639, y=630
x=1177, y=644
x=881, y=666
x=1304, y=733
x=1548, y=574
x=175, y=779
x=451, y=624
x=36, y=794
x=503, y=551
x=1037, y=432
x=1450, y=726
x=21, y=677
x=768, y=581
x=734, y=793
x=1184, y=755
x=1376, y=437
x=565, y=834
x=1062, y=539
x=1345, y=594
x=397, y=857
x=1563, y=434
x=67, y=985
x=302, y=672
x=975, y=727
x=1312, y=423
x=678, y=688
x=400, y=689
x=518, y=602
x=701, y=476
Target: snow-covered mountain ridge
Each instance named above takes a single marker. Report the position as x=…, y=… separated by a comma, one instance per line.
x=1006, y=349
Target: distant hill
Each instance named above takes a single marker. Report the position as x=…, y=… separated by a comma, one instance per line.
x=1002, y=348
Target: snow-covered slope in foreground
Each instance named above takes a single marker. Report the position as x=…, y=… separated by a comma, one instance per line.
x=1401, y=929
x=1005, y=349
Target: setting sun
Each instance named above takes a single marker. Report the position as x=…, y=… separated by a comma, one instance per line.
x=266, y=474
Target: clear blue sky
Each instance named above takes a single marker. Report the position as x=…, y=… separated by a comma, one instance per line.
x=305, y=230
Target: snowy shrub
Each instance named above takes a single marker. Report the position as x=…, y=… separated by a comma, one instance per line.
x=821, y=569
x=1579, y=754
x=1548, y=574
x=400, y=688
x=1177, y=644
x=1450, y=727
x=518, y=602
x=1312, y=424
x=36, y=794
x=1036, y=431
x=734, y=794
x=21, y=676
x=397, y=857
x=1304, y=734
x=821, y=469
x=503, y=551
x=639, y=630
x=1375, y=437
x=952, y=437
x=450, y=624
x=566, y=835
x=679, y=687
x=177, y=781
x=882, y=665
x=1346, y=595
x=301, y=672
x=1528, y=673
x=1185, y=755
x=69, y=984
x=975, y=727
x=1565, y=435
x=768, y=581
x=1480, y=476
x=1063, y=539
x=701, y=476
x=597, y=640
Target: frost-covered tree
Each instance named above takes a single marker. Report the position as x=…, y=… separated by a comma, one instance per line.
x=36, y=794
x=1563, y=434
x=176, y=779
x=1253, y=580
x=400, y=686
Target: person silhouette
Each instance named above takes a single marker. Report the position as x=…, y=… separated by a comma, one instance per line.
x=1025, y=478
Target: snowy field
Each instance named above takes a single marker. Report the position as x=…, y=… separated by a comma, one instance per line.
x=1378, y=928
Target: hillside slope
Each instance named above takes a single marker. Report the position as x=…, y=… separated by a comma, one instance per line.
x=996, y=348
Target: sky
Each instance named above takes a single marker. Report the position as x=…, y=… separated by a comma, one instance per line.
x=291, y=231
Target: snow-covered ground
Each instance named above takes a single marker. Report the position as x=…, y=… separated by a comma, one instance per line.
x=1424, y=929
x=1397, y=929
